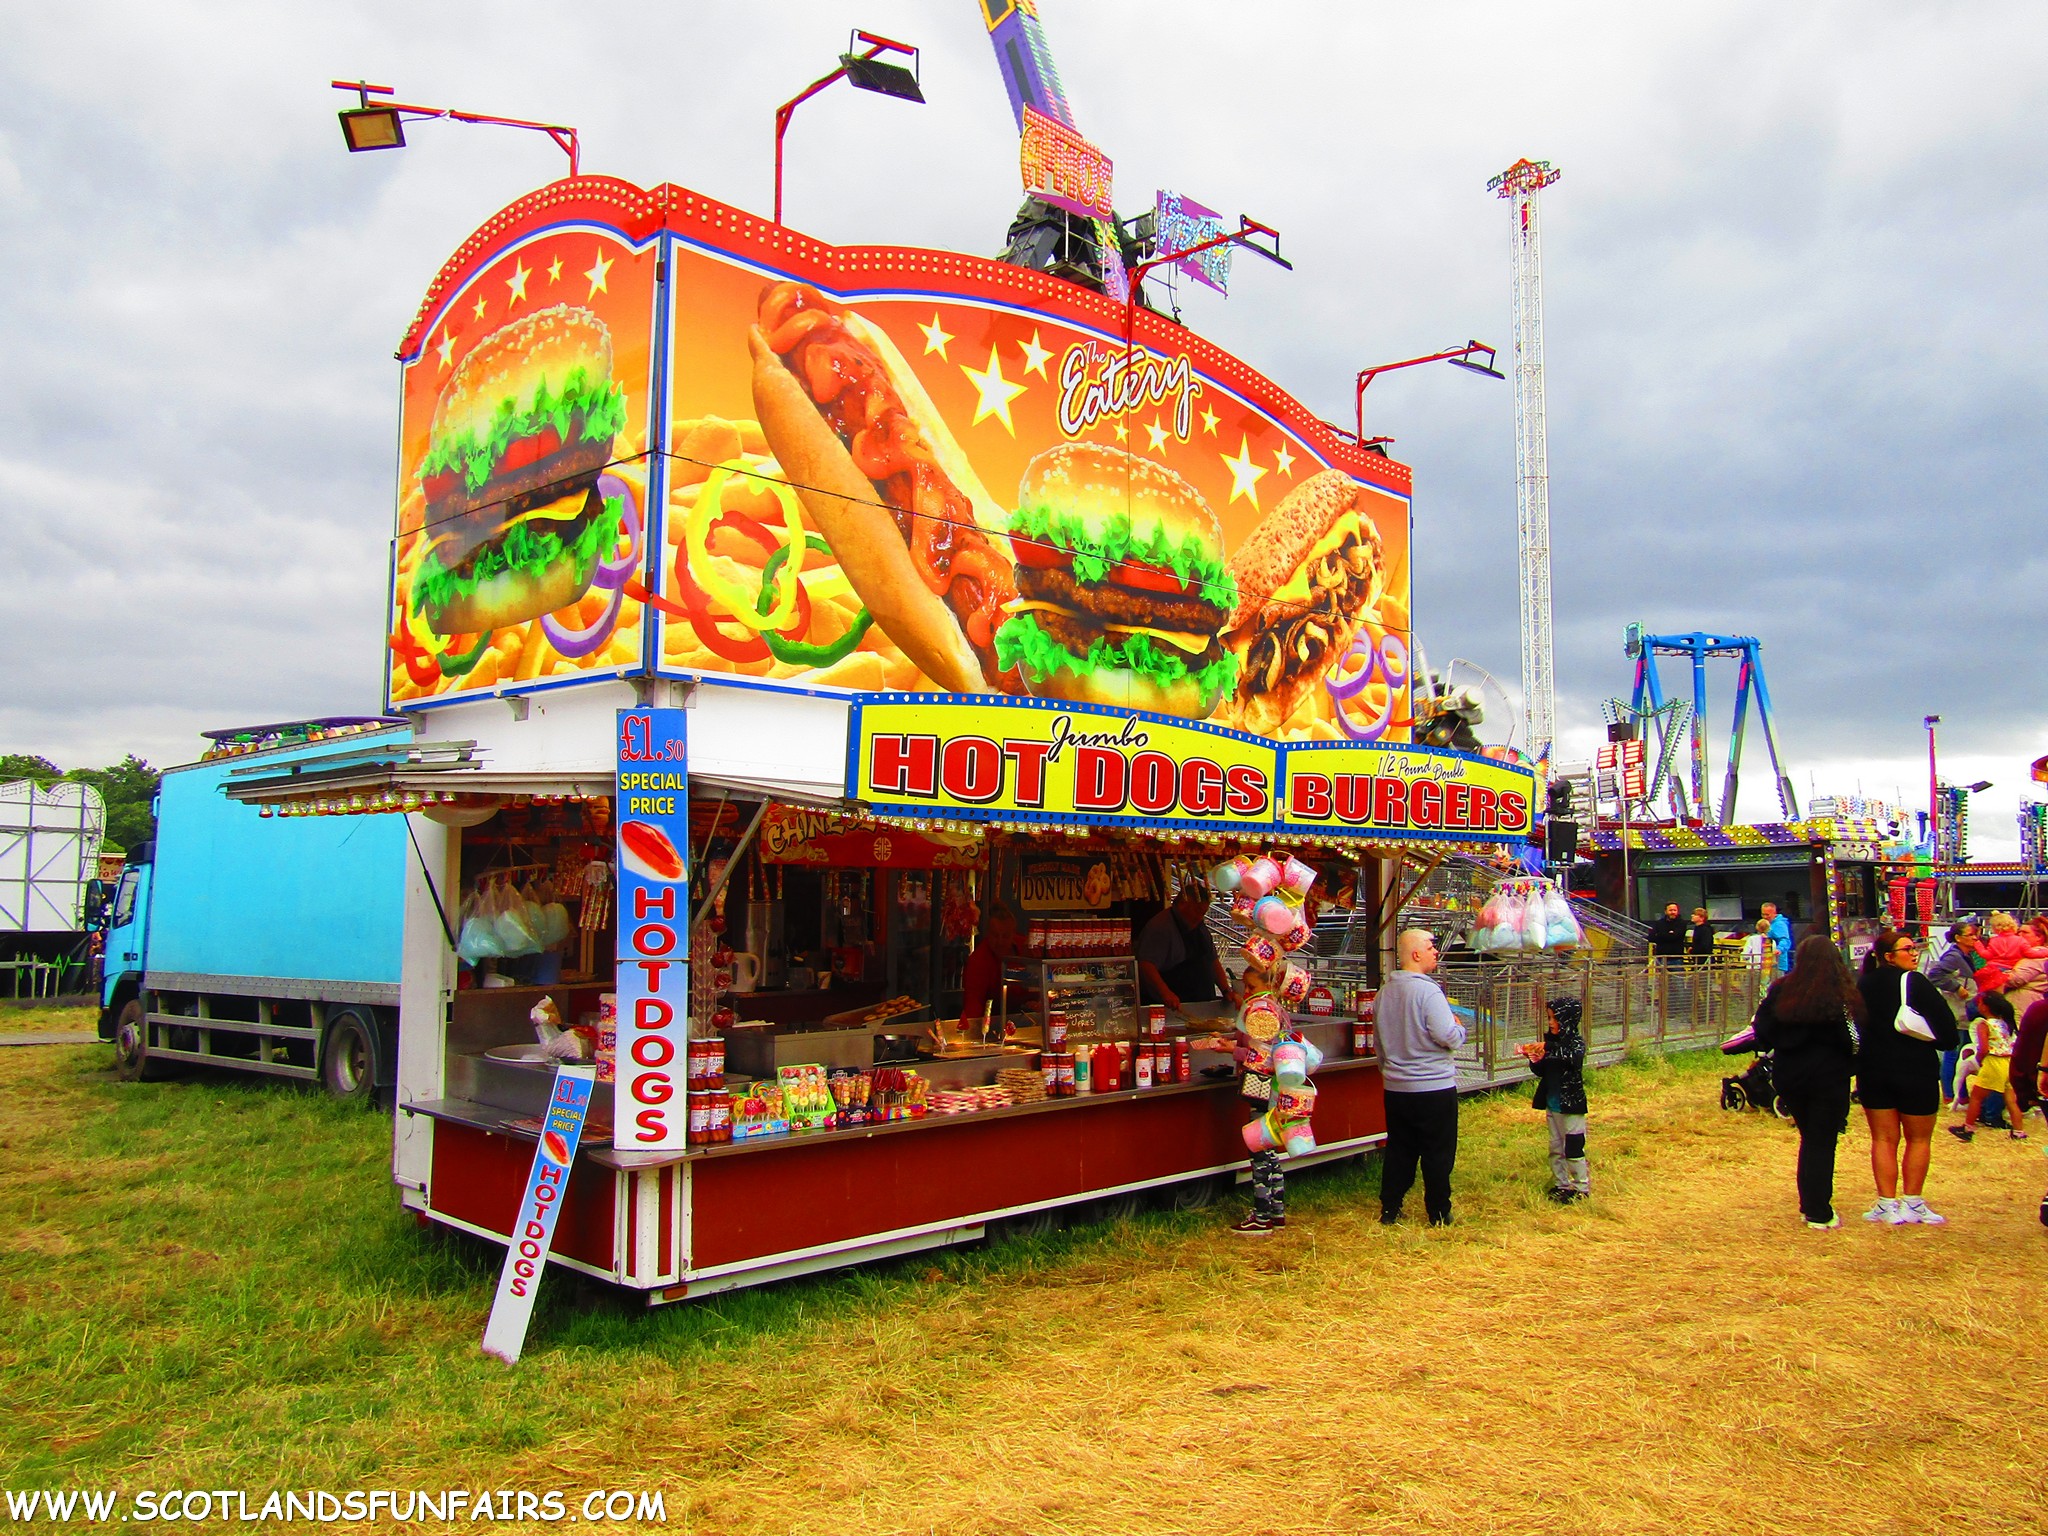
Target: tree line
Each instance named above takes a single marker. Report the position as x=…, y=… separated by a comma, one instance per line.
x=127, y=789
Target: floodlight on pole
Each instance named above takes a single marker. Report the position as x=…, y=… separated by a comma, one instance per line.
x=864, y=72
x=382, y=125
x=1474, y=357
x=1933, y=775
x=1241, y=236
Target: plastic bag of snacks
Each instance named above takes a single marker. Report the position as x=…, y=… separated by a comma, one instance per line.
x=1562, y=929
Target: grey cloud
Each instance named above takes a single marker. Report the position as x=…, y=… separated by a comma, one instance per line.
x=1793, y=307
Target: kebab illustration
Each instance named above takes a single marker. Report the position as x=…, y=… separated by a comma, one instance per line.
x=516, y=521
x=886, y=484
x=1122, y=587
x=1307, y=578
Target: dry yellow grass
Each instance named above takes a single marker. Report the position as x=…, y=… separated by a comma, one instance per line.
x=1680, y=1355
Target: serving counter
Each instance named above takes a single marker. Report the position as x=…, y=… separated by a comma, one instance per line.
x=707, y=1219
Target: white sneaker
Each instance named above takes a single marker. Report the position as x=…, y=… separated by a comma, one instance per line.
x=1919, y=1211
x=1903, y=1214
x=1885, y=1211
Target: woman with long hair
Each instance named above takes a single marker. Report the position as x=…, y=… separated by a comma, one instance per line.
x=1898, y=1075
x=1809, y=1022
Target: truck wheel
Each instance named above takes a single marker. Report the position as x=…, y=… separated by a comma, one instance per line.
x=131, y=1047
x=348, y=1060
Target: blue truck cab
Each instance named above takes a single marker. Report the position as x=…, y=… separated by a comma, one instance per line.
x=258, y=943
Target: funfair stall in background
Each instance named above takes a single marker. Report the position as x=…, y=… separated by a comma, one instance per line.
x=784, y=625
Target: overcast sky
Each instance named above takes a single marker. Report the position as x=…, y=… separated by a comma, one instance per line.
x=1794, y=308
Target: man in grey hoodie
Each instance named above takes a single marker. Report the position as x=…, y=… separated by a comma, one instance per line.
x=1418, y=1036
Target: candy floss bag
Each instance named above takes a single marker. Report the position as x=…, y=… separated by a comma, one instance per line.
x=1292, y=1108
x=1561, y=927
x=479, y=940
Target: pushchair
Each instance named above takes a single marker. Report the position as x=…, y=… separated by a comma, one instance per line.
x=1753, y=1087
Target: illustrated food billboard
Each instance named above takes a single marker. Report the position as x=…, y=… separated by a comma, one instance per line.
x=876, y=470
x=523, y=469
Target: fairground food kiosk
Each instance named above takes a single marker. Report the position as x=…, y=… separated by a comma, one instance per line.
x=824, y=662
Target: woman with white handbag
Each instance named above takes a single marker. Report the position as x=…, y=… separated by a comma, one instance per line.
x=1898, y=1075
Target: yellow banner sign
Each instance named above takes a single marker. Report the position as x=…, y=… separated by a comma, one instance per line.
x=1406, y=792
x=1004, y=759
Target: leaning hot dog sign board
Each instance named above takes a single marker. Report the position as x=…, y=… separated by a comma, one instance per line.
x=644, y=432
x=995, y=759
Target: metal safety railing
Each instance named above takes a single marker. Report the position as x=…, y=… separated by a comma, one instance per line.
x=1627, y=1005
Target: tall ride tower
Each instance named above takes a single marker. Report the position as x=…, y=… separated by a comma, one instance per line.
x=1520, y=185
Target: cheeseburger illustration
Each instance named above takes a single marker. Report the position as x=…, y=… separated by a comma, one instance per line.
x=514, y=519
x=1121, y=586
x=1306, y=579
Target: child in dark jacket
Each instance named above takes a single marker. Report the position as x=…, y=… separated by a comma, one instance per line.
x=1559, y=1061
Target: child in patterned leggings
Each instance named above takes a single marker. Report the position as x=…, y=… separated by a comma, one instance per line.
x=1559, y=1061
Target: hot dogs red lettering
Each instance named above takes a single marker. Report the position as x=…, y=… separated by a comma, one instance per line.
x=1384, y=800
x=905, y=765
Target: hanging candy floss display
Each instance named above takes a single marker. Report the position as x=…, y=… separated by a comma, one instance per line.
x=1270, y=896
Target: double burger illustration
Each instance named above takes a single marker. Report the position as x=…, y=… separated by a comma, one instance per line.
x=1112, y=585
x=1124, y=596
x=516, y=523
x=1122, y=590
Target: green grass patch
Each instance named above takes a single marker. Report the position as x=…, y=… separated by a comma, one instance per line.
x=208, y=1282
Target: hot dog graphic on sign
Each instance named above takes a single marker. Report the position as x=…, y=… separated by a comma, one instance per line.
x=653, y=988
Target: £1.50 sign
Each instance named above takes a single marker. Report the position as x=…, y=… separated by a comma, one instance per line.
x=653, y=828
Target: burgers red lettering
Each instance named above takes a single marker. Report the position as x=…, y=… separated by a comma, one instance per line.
x=1389, y=802
x=1310, y=794
x=1426, y=803
x=1354, y=798
x=1485, y=808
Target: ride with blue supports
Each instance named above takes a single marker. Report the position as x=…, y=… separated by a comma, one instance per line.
x=1747, y=650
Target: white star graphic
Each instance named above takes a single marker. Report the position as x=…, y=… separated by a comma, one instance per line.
x=517, y=283
x=555, y=270
x=596, y=275
x=1123, y=433
x=1244, y=474
x=1283, y=460
x=1157, y=433
x=935, y=338
x=1209, y=420
x=446, y=347
x=1035, y=356
x=995, y=391
x=479, y=309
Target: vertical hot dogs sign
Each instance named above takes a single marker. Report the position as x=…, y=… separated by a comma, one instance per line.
x=653, y=982
x=873, y=470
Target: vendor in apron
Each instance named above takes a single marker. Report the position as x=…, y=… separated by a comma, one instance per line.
x=1177, y=961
